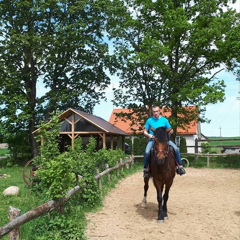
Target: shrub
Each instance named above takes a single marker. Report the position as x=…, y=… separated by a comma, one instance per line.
x=183, y=145
x=139, y=146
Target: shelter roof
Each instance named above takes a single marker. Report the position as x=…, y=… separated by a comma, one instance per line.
x=88, y=123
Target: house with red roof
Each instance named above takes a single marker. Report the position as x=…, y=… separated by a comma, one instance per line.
x=133, y=127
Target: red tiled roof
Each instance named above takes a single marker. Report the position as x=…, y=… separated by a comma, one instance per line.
x=125, y=124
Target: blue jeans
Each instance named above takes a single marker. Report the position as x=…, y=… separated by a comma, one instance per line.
x=148, y=149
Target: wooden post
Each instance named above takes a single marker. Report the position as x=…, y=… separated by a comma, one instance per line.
x=14, y=213
x=109, y=176
x=126, y=164
x=121, y=161
x=99, y=180
x=117, y=168
x=132, y=159
x=208, y=161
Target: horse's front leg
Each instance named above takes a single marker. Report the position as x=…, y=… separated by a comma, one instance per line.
x=165, y=199
x=146, y=186
x=164, y=208
x=160, y=207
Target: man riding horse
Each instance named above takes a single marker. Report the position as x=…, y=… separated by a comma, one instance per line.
x=157, y=120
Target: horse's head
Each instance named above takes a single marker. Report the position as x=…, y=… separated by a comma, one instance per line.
x=160, y=144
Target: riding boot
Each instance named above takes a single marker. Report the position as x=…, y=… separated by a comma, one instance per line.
x=180, y=170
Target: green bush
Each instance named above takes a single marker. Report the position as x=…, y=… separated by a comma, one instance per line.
x=139, y=145
x=206, y=148
x=183, y=145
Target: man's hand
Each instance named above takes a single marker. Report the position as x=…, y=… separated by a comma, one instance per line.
x=150, y=136
x=170, y=131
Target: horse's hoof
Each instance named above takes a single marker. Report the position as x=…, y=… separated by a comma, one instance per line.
x=165, y=218
x=160, y=221
x=143, y=205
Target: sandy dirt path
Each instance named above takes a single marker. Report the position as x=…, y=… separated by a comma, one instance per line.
x=203, y=204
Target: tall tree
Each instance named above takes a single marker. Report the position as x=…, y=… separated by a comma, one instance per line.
x=168, y=52
x=56, y=42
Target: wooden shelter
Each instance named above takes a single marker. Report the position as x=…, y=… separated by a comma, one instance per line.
x=76, y=123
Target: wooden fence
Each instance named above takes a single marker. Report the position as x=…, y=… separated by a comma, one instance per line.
x=208, y=155
x=12, y=228
x=197, y=155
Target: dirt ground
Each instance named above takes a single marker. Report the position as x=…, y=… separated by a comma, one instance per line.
x=203, y=204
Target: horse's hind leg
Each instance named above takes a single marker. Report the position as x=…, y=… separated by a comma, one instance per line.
x=146, y=186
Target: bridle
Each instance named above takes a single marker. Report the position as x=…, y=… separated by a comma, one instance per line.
x=165, y=152
x=161, y=151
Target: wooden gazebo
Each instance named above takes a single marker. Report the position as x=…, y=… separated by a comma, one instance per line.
x=77, y=123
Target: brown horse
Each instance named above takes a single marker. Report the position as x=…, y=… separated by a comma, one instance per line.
x=162, y=169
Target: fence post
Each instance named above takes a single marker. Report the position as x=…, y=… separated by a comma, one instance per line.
x=132, y=159
x=14, y=213
x=109, y=176
x=208, y=160
x=126, y=163
x=99, y=180
x=121, y=162
x=117, y=168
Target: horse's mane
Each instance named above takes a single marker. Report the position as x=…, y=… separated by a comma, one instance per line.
x=161, y=134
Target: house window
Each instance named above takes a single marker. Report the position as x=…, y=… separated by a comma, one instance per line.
x=177, y=141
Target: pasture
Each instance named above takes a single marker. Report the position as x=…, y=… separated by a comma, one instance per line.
x=217, y=143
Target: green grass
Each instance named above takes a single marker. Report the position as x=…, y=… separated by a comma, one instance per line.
x=71, y=224
x=3, y=152
x=25, y=201
x=224, y=162
x=225, y=141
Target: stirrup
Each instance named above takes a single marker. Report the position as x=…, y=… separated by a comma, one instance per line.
x=180, y=171
x=146, y=174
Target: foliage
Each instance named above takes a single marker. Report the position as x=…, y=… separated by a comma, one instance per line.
x=55, y=171
x=58, y=227
x=139, y=145
x=168, y=53
x=206, y=148
x=183, y=145
x=58, y=45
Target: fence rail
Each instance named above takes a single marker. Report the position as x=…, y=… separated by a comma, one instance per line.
x=197, y=155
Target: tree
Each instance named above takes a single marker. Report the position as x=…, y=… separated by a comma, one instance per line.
x=58, y=43
x=168, y=53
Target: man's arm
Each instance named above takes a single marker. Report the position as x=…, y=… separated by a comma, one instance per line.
x=170, y=131
x=146, y=134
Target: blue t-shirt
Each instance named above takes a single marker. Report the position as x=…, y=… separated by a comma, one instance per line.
x=155, y=123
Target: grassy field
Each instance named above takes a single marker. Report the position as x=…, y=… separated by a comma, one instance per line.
x=226, y=141
x=3, y=152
